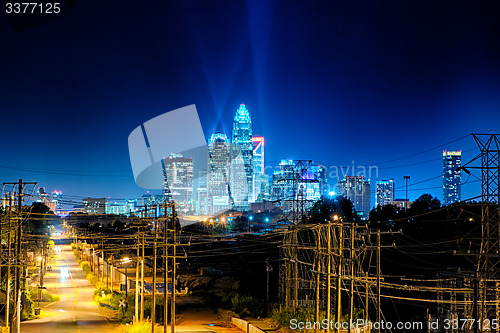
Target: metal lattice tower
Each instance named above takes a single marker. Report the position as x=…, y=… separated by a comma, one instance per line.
x=488, y=261
x=486, y=300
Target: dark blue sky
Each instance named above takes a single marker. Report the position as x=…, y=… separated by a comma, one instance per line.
x=331, y=81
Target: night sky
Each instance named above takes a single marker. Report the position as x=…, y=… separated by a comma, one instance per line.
x=340, y=82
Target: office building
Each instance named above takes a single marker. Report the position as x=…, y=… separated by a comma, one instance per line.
x=242, y=159
x=282, y=182
x=452, y=180
x=384, y=192
x=258, y=168
x=321, y=176
x=357, y=189
x=201, y=194
x=218, y=173
x=178, y=171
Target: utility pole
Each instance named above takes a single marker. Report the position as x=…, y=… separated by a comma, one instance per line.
x=338, y=300
x=367, y=305
x=378, y=279
x=328, y=274
x=19, y=272
x=17, y=302
x=165, y=271
x=318, y=276
x=9, y=261
x=112, y=269
x=351, y=281
x=406, y=178
x=268, y=269
x=295, y=270
x=136, y=309
x=142, y=276
x=174, y=263
x=153, y=304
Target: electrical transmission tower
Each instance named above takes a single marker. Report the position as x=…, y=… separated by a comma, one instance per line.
x=487, y=282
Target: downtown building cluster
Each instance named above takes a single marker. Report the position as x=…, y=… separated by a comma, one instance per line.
x=452, y=184
x=236, y=177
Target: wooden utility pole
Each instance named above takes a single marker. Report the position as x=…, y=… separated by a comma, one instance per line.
x=295, y=271
x=338, y=300
x=136, y=310
x=142, y=276
x=165, y=271
x=318, y=276
x=7, y=292
x=112, y=269
x=19, y=271
x=351, y=281
x=17, y=288
x=174, y=263
x=367, y=289
x=378, y=280
x=328, y=274
x=153, y=303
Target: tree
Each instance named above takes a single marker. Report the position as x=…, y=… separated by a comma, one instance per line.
x=384, y=215
x=324, y=209
x=425, y=203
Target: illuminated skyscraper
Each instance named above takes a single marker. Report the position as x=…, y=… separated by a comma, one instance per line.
x=357, y=189
x=242, y=159
x=385, y=192
x=282, y=186
x=452, y=187
x=219, y=162
x=320, y=174
x=178, y=172
x=258, y=168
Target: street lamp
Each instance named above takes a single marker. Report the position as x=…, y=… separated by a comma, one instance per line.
x=406, y=178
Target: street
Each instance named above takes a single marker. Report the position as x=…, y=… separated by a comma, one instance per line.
x=75, y=312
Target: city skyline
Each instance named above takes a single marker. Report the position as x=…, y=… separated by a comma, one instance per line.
x=334, y=83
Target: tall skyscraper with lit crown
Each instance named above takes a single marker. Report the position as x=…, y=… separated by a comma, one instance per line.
x=242, y=159
x=452, y=180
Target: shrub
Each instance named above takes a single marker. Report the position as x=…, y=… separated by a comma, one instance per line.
x=143, y=327
x=85, y=265
x=246, y=306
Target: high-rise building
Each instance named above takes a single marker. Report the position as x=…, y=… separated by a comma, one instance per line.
x=242, y=159
x=384, y=192
x=357, y=189
x=178, y=171
x=282, y=182
x=201, y=197
x=258, y=168
x=320, y=174
x=218, y=172
x=452, y=180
